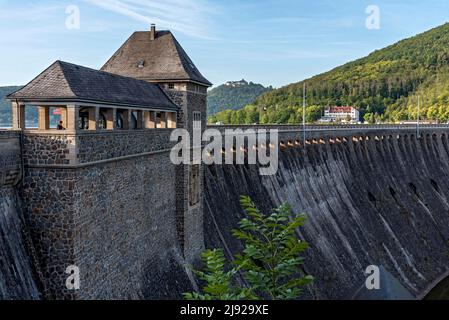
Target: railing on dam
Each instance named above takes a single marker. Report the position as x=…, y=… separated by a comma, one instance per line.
x=294, y=135
x=357, y=127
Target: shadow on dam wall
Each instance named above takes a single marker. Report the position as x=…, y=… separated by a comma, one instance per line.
x=381, y=202
x=18, y=278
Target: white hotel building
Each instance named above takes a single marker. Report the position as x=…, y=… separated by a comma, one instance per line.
x=333, y=114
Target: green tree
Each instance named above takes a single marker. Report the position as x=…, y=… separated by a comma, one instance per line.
x=218, y=282
x=314, y=113
x=270, y=262
x=369, y=118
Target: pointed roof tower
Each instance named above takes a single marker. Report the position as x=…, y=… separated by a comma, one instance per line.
x=154, y=56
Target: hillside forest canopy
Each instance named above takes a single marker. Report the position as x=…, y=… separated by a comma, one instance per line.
x=383, y=86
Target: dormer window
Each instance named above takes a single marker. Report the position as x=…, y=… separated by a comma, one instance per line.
x=171, y=86
x=141, y=64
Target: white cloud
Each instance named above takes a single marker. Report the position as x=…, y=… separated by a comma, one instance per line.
x=190, y=17
x=29, y=14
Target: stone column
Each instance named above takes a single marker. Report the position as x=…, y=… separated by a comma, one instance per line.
x=150, y=119
x=146, y=119
x=73, y=114
x=140, y=120
x=163, y=120
x=44, y=117
x=126, y=115
x=154, y=119
x=111, y=117
x=18, y=116
x=94, y=114
x=64, y=116
x=171, y=120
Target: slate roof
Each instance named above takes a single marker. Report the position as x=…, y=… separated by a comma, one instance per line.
x=163, y=59
x=64, y=81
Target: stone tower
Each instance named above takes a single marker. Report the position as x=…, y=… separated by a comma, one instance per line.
x=99, y=195
x=101, y=198
x=157, y=57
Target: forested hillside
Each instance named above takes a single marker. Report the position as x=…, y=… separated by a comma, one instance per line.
x=233, y=96
x=384, y=85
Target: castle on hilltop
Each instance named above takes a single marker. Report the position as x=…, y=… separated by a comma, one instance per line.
x=234, y=84
x=99, y=191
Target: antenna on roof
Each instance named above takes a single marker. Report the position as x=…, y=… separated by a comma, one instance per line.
x=153, y=31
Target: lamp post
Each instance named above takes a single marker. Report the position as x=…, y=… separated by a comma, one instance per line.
x=417, y=123
x=304, y=114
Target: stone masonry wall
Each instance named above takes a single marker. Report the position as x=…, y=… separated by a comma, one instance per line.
x=49, y=208
x=96, y=146
x=189, y=218
x=110, y=211
x=126, y=242
x=48, y=148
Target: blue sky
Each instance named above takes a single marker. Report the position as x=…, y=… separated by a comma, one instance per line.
x=273, y=42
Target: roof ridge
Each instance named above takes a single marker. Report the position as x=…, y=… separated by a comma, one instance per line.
x=61, y=63
x=63, y=81
x=164, y=59
x=118, y=50
x=106, y=72
x=57, y=62
x=180, y=52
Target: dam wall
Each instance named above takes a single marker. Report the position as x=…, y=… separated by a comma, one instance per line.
x=373, y=196
x=18, y=277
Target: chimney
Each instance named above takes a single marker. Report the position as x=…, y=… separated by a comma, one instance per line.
x=153, y=32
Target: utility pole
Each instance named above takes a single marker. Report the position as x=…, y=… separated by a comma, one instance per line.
x=304, y=114
x=419, y=118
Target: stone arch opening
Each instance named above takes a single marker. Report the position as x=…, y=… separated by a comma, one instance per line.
x=84, y=119
x=102, y=121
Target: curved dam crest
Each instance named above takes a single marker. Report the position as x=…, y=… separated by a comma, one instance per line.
x=379, y=198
